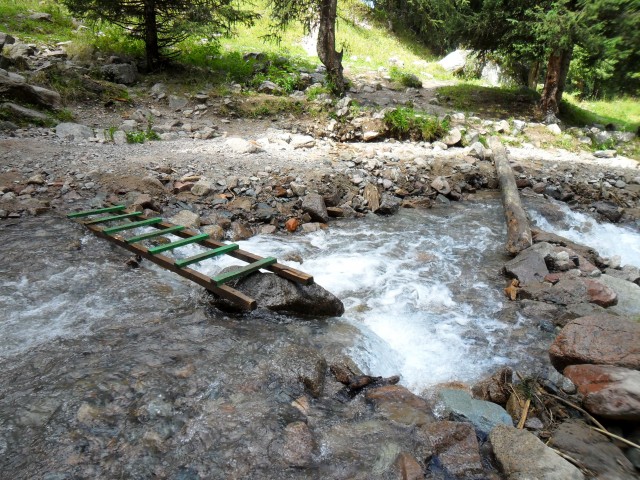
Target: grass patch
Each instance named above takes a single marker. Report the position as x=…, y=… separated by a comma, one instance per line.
x=624, y=113
x=15, y=21
x=491, y=102
x=407, y=123
x=259, y=105
x=405, y=79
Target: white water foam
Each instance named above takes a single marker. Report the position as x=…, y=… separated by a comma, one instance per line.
x=607, y=239
x=413, y=286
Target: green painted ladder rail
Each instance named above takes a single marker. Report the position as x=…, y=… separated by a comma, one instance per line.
x=95, y=222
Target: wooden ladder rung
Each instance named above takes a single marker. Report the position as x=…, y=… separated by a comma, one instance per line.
x=111, y=219
x=157, y=233
x=208, y=254
x=86, y=213
x=241, y=272
x=179, y=243
x=129, y=226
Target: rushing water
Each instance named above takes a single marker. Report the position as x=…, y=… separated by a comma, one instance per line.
x=109, y=372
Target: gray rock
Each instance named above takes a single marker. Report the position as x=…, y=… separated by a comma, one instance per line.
x=17, y=111
x=455, y=61
x=177, y=103
x=73, y=131
x=281, y=295
x=453, y=137
x=298, y=444
x=456, y=447
x=458, y=405
x=302, y=141
x=17, y=50
x=269, y=87
x=41, y=17
x=14, y=87
x=372, y=197
x=521, y=456
x=628, y=295
x=609, y=210
x=314, y=205
x=8, y=126
x=186, y=218
x=593, y=450
x=529, y=266
x=124, y=73
x=129, y=126
x=554, y=128
x=201, y=188
x=605, y=153
x=240, y=231
x=389, y=204
x=215, y=232
x=240, y=145
x=6, y=39
x=158, y=88
x=119, y=137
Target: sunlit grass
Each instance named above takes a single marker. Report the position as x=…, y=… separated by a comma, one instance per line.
x=622, y=112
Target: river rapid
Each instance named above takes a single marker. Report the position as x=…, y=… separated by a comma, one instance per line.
x=113, y=372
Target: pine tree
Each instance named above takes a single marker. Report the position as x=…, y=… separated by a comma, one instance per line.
x=163, y=23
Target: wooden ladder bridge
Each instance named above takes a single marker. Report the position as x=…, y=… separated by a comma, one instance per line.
x=95, y=221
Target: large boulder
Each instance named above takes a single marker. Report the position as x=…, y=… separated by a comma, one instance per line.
x=455, y=61
x=124, y=73
x=628, y=294
x=281, y=295
x=592, y=450
x=28, y=114
x=570, y=289
x=458, y=405
x=529, y=266
x=521, y=455
x=611, y=392
x=602, y=339
x=73, y=131
x=313, y=204
x=13, y=88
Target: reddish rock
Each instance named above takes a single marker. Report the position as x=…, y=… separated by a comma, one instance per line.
x=597, y=339
x=179, y=187
x=611, y=392
x=552, y=278
x=298, y=444
x=409, y=468
x=456, y=446
x=292, y=225
x=600, y=294
x=279, y=191
x=397, y=403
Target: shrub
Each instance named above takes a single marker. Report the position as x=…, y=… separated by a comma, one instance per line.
x=406, y=123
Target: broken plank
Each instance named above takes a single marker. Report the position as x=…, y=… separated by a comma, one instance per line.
x=241, y=272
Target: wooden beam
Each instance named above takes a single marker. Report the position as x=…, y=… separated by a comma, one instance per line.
x=518, y=229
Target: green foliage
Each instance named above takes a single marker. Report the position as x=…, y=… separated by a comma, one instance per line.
x=15, y=20
x=491, y=102
x=138, y=136
x=405, y=79
x=406, y=123
x=164, y=23
x=314, y=92
x=623, y=113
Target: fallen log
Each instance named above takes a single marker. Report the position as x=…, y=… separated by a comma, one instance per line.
x=518, y=230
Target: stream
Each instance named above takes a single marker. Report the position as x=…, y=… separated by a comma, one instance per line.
x=113, y=372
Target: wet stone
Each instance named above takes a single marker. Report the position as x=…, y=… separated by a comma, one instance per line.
x=398, y=404
x=458, y=405
x=455, y=447
x=298, y=444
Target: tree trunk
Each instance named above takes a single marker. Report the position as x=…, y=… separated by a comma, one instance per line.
x=326, y=47
x=554, y=83
x=532, y=78
x=151, y=34
x=518, y=229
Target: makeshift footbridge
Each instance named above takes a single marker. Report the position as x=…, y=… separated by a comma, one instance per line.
x=97, y=220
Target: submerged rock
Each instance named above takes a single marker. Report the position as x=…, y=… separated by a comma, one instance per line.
x=281, y=295
x=456, y=447
x=458, y=405
x=398, y=404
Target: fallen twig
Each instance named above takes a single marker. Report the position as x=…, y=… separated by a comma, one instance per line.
x=613, y=435
x=525, y=412
x=573, y=405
